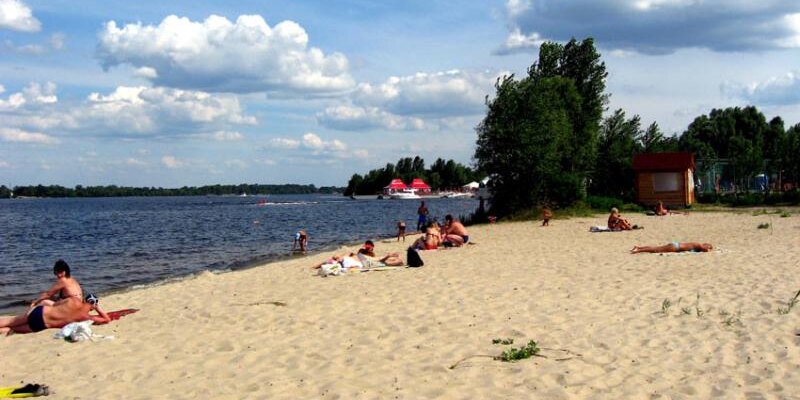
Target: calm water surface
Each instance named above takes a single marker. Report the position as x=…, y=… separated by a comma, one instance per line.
x=117, y=243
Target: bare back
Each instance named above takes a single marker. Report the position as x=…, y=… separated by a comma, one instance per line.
x=71, y=309
x=457, y=228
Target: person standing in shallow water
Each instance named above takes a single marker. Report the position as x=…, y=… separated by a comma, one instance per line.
x=422, y=216
x=300, y=240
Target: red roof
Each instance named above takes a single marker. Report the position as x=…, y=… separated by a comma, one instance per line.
x=663, y=162
x=396, y=184
x=419, y=184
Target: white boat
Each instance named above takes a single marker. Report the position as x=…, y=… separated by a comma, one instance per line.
x=455, y=195
x=404, y=194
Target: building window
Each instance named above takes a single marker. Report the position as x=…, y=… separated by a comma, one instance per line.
x=666, y=181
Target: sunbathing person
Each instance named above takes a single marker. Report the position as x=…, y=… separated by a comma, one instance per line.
x=661, y=210
x=368, y=258
x=455, y=232
x=56, y=315
x=674, y=247
x=617, y=223
x=65, y=286
x=347, y=262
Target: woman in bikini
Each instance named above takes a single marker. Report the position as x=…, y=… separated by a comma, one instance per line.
x=65, y=286
x=674, y=247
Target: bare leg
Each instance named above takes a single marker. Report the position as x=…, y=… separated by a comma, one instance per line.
x=667, y=248
x=456, y=240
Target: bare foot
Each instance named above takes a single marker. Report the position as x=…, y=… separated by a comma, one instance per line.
x=635, y=250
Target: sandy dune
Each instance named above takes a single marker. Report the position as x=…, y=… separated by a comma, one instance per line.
x=394, y=334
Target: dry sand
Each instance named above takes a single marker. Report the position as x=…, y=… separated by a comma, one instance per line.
x=394, y=334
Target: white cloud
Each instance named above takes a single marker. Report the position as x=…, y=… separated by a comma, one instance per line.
x=135, y=162
x=171, y=162
x=236, y=163
x=354, y=118
x=775, y=91
x=33, y=94
x=313, y=149
x=19, y=135
x=656, y=26
x=4, y=164
x=146, y=110
x=17, y=16
x=226, y=136
x=222, y=56
x=284, y=143
x=57, y=41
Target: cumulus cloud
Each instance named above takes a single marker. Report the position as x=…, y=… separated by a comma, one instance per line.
x=17, y=16
x=21, y=136
x=217, y=55
x=146, y=110
x=33, y=94
x=776, y=91
x=171, y=162
x=354, y=118
x=410, y=102
x=313, y=147
x=655, y=26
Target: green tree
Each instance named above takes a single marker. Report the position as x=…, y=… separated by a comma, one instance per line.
x=619, y=140
x=538, y=140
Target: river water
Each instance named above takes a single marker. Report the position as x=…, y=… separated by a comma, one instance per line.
x=114, y=244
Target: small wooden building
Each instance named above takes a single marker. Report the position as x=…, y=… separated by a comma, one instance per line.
x=668, y=177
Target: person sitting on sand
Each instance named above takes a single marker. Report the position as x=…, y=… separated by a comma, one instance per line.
x=367, y=257
x=617, y=223
x=546, y=215
x=430, y=240
x=64, y=287
x=674, y=247
x=455, y=232
x=301, y=239
x=56, y=315
x=661, y=210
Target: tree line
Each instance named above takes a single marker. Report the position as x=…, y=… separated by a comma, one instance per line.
x=123, y=191
x=544, y=140
x=441, y=175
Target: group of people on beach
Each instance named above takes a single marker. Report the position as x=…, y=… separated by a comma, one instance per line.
x=56, y=307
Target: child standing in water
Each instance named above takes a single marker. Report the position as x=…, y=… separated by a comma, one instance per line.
x=401, y=230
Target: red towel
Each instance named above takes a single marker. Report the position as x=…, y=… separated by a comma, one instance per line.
x=115, y=315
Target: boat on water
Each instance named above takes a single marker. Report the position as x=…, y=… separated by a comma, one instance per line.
x=404, y=194
x=455, y=195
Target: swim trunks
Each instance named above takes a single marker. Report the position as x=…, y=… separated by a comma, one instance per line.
x=466, y=238
x=36, y=319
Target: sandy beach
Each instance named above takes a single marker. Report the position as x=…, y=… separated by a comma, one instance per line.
x=599, y=313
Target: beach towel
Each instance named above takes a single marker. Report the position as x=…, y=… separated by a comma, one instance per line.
x=598, y=228
x=115, y=315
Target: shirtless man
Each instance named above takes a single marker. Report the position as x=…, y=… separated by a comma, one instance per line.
x=65, y=286
x=674, y=247
x=63, y=312
x=422, y=216
x=455, y=232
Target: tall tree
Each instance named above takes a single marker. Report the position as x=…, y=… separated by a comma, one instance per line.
x=538, y=140
x=619, y=141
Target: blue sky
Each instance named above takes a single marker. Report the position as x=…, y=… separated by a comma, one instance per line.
x=193, y=93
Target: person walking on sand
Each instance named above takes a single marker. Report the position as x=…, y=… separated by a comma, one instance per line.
x=422, y=216
x=301, y=240
x=56, y=315
x=64, y=287
x=674, y=247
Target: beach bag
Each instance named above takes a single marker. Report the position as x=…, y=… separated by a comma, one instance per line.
x=330, y=269
x=413, y=259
